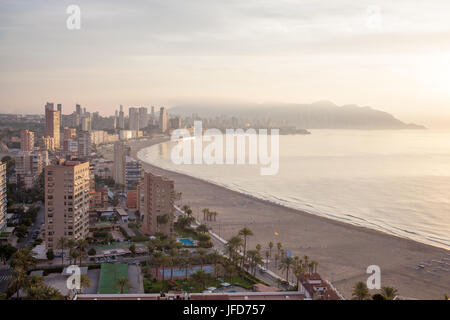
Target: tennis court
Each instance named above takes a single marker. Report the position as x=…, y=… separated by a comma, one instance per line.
x=109, y=275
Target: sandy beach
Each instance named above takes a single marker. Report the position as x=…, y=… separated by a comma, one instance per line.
x=343, y=251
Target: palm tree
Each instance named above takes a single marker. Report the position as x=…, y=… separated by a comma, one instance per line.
x=285, y=265
x=203, y=228
x=231, y=269
x=186, y=263
x=279, y=246
x=245, y=232
x=205, y=213
x=19, y=280
x=267, y=259
x=75, y=255
x=270, y=248
x=85, y=282
x=232, y=247
x=200, y=276
x=214, y=214
x=360, y=291
x=185, y=208
x=220, y=270
x=82, y=245
x=23, y=259
x=215, y=258
x=163, y=261
x=254, y=260
x=61, y=244
x=389, y=293
x=306, y=260
x=123, y=283
x=71, y=244
x=314, y=265
x=201, y=255
x=299, y=270
x=276, y=258
x=173, y=254
x=258, y=247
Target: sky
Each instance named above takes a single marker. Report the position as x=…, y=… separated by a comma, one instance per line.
x=391, y=55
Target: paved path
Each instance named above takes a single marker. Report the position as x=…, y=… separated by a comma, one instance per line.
x=5, y=277
x=135, y=278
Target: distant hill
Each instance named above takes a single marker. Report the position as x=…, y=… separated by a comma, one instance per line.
x=318, y=115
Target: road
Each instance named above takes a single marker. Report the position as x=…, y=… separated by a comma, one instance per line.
x=28, y=240
x=5, y=277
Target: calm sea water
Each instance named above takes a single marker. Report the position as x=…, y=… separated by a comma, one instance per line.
x=394, y=181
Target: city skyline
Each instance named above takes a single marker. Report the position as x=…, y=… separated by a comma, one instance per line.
x=386, y=55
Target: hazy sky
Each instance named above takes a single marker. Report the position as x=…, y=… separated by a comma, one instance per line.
x=164, y=52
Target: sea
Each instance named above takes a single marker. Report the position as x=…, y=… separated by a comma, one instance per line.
x=395, y=181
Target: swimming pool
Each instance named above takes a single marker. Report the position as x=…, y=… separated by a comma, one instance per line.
x=186, y=241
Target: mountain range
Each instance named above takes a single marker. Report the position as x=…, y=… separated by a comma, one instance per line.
x=317, y=115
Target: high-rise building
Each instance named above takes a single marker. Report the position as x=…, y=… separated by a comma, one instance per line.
x=59, y=108
x=158, y=210
x=52, y=124
x=143, y=117
x=163, y=120
x=121, y=151
x=86, y=123
x=3, y=201
x=133, y=172
x=69, y=133
x=66, y=201
x=78, y=109
x=28, y=167
x=48, y=143
x=121, y=124
x=84, y=144
x=26, y=140
x=175, y=123
x=133, y=119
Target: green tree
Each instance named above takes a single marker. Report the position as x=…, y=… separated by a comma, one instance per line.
x=50, y=254
x=201, y=277
x=19, y=280
x=232, y=247
x=123, y=284
x=6, y=252
x=23, y=259
x=270, y=248
x=62, y=244
x=245, y=232
x=285, y=265
x=360, y=291
x=85, y=282
x=389, y=293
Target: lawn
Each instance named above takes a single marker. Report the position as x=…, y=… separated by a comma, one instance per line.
x=191, y=286
x=109, y=274
x=188, y=285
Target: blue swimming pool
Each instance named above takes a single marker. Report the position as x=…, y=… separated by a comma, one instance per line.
x=186, y=241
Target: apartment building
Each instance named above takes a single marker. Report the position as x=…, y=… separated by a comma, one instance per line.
x=3, y=199
x=52, y=124
x=66, y=201
x=26, y=140
x=158, y=210
x=121, y=151
x=133, y=172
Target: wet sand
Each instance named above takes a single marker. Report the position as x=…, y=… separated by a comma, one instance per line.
x=343, y=251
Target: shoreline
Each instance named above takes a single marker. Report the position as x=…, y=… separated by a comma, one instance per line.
x=343, y=250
